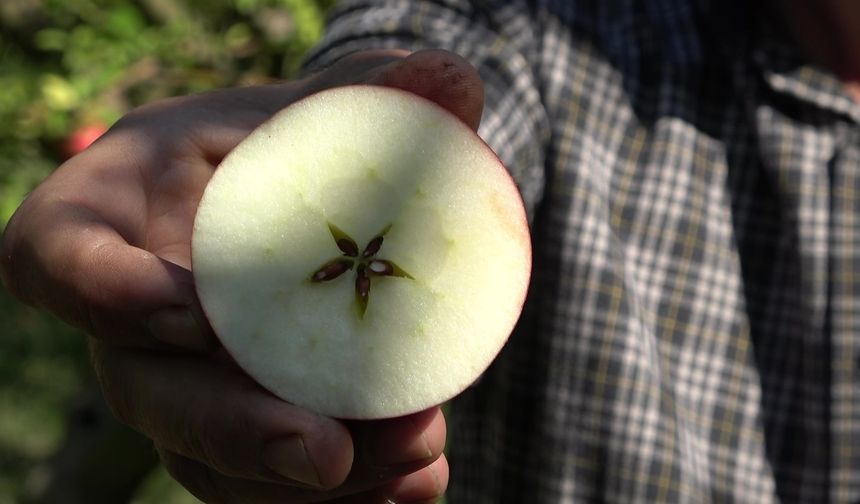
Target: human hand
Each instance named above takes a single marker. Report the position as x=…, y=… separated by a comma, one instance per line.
x=104, y=243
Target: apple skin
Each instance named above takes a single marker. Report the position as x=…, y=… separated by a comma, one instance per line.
x=519, y=225
x=82, y=137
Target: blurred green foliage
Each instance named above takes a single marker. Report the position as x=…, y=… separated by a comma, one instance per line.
x=65, y=64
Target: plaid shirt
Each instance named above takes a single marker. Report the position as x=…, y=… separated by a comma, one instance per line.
x=693, y=326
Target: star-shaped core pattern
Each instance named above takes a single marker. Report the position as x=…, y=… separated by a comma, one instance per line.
x=368, y=265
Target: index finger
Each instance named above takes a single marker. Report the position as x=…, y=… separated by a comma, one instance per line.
x=103, y=243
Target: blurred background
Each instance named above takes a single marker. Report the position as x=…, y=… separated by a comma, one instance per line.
x=68, y=69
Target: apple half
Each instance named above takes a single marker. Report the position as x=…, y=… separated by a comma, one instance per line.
x=363, y=254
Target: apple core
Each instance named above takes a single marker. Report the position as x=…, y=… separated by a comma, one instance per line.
x=367, y=265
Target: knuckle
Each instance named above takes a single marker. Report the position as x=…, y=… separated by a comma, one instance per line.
x=86, y=294
x=149, y=121
x=146, y=115
x=86, y=265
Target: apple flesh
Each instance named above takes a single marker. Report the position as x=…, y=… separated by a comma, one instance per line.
x=363, y=254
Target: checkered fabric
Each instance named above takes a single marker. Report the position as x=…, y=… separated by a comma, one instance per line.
x=693, y=325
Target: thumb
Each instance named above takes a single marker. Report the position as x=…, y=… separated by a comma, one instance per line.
x=440, y=76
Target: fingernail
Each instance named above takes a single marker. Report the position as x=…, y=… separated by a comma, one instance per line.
x=389, y=450
x=288, y=457
x=177, y=327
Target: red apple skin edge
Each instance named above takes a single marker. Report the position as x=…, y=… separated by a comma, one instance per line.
x=523, y=224
x=81, y=138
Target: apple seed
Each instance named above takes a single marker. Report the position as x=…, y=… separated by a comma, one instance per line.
x=346, y=244
x=372, y=247
x=332, y=270
x=374, y=244
x=367, y=265
x=348, y=247
x=382, y=267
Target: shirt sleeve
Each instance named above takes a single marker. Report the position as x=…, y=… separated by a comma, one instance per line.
x=498, y=37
